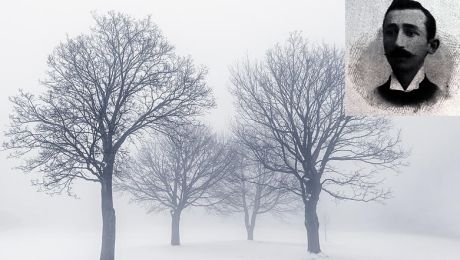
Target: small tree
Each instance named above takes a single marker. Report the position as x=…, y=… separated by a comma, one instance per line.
x=178, y=172
x=253, y=190
x=291, y=110
x=117, y=82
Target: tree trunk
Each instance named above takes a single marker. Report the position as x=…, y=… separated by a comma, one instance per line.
x=312, y=225
x=108, y=221
x=175, y=224
x=249, y=223
x=250, y=232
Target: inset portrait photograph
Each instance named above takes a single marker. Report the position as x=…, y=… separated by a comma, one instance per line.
x=402, y=57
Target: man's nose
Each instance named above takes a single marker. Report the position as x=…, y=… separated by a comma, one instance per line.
x=401, y=39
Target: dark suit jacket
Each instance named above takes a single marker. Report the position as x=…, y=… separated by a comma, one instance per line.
x=426, y=93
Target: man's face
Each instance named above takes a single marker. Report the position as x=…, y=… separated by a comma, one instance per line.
x=405, y=39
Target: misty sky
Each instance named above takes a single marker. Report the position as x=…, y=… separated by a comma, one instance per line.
x=217, y=33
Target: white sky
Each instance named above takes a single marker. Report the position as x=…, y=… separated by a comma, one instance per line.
x=216, y=34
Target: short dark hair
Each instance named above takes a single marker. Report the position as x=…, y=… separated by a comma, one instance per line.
x=430, y=22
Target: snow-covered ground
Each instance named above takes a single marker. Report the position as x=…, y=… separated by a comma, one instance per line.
x=277, y=244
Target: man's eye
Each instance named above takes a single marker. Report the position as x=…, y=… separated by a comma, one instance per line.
x=389, y=32
x=411, y=33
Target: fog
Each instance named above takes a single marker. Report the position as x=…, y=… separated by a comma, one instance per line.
x=217, y=34
x=424, y=193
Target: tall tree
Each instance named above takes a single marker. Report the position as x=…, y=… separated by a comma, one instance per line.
x=291, y=109
x=117, y=82
x=177, y=172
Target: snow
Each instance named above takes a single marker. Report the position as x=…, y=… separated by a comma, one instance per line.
x=274, y=244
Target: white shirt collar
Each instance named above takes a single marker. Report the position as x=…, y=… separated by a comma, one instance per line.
x=419, y=77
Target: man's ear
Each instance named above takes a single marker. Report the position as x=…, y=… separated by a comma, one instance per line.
x=433, y=45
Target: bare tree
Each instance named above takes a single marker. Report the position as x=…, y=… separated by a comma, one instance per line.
x=103, y=88
x=178, y=172
x=291, y=109
x=253, y=190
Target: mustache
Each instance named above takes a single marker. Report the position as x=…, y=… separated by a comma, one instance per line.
x=399, y=53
